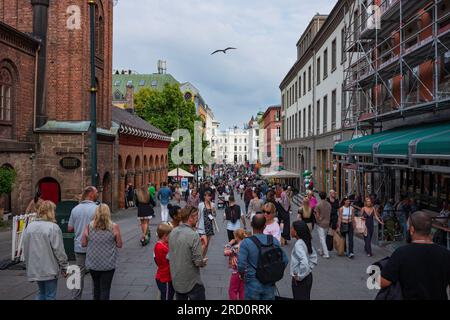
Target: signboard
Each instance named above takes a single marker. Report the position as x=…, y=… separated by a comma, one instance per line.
x=70, y=163
x=184, y=184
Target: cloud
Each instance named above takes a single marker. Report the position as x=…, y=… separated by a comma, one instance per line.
x=184, y=33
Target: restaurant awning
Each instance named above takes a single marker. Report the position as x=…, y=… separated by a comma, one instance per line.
x=181, y=173
x=424, y=141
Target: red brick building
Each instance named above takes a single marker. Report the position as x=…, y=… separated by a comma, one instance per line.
x=272, y=128
x=45, y=106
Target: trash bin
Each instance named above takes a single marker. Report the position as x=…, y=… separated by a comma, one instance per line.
x=63, y=210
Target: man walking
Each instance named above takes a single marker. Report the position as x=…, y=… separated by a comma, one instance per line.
x=164, y=196
x=250, y=253
x=323, y=213
x=185, y=257
x=80, y=217
x=422, y=268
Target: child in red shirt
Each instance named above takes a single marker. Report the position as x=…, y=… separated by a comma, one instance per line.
x=163, y=277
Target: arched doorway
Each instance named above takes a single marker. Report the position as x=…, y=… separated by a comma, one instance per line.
x=5, y=199
x=50, y=189
x=107, y=190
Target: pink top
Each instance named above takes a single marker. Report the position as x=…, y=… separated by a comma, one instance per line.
x=312, y=202
x=274, y=230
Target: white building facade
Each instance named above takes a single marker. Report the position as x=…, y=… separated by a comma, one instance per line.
x=253, y=141
x=232, y=146
x=312, y=98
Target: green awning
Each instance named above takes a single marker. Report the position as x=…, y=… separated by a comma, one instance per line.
x=345, y=147
x=399, y=146
x=418, y=141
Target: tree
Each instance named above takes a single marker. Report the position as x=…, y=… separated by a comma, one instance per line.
x=7, y=179
x=168, y=111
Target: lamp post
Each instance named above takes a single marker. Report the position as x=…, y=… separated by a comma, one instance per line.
x=93, y=91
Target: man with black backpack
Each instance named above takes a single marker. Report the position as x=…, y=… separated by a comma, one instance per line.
x=261, y=262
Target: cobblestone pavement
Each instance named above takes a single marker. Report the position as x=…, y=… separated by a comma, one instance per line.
x=335, y=278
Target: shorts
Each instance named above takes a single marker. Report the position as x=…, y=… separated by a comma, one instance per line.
x=145, y=218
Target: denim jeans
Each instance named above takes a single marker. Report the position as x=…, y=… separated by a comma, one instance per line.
x=47, y=289
x=349, y=237
x=80, y=259
x=255, y=290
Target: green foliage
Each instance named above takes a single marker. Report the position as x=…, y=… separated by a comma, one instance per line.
x=168, y=111
x=7, y=179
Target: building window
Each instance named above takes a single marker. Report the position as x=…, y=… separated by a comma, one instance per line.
x=318, y=70
x=226, y=141
x=278, y=132
x=333, y=110
x=325, y=113
x=129, y=83
x=304, y=83
x=325, y=63
x=296, y=91
x=299, y=87
x=343, y=55
x=117, y=83
x=296, y=127
x=155, y=83
x=235, y=148
x=240, y=148
x=6, y=102
x=309, y=121
x=318, y=117
x=333, y=55
x=277, y=115
x=142, y=83
x=99, y=32
x=309, y=78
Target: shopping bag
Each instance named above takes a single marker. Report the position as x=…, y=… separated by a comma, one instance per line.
x=329, y=240
x=360, y=226
x=339, y=243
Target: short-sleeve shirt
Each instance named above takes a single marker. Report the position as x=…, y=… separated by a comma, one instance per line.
x=423, y=271
x=274, y=230
x=80, y=217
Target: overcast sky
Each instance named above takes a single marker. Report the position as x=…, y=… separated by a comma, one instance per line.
x=184, y=33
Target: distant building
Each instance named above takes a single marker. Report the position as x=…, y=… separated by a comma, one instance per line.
x=253, y=140
x=271, y=121
x=232, y=146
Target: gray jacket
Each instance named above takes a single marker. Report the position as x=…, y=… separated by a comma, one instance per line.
x=44, y=250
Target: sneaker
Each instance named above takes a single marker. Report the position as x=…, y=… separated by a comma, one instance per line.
x=351, y=255
x=326, y=257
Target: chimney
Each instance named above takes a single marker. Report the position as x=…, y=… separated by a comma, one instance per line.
x=40, y=28
x=129, y=97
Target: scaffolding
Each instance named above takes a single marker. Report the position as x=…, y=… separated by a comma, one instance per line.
x=401, y=68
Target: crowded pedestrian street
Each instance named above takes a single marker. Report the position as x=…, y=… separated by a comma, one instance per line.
x=337, y=278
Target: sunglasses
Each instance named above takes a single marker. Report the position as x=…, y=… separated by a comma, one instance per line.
x=268, y=212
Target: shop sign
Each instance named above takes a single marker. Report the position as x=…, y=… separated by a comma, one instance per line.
x=70, y=163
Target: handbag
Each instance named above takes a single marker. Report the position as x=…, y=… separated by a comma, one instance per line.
x=329, y=240
x=339, y=243
x=360, y=226
x=345, y=227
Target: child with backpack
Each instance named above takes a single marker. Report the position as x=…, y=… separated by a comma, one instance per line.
x=163, y=276
x=236, y=288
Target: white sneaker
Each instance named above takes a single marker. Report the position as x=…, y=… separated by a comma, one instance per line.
x=326, y=257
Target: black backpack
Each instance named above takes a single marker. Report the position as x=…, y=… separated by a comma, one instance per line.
x=270, y=268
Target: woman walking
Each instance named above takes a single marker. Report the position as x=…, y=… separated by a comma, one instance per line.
x=255, y=205
x=145, y=204
x=305, y=213
x=194, y=199
x=233, y=215
x=303, y=260
x=102, y=238
x=368, y=214
x=205, y=227
x=345, y=224
x=44, y=253
x=177, y=194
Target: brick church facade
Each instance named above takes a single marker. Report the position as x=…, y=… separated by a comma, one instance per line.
x=44, y=102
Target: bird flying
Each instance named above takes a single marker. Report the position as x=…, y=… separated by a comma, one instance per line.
x=224, y=50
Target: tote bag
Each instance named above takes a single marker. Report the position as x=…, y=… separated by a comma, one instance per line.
x=360, y=226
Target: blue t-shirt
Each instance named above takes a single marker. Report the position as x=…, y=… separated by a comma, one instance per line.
x=164, y=195
x=249, y=254
x=80, y=217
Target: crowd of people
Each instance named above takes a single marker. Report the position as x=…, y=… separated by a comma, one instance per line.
x=256, y=234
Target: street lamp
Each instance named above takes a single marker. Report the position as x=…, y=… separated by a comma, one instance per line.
x=93, y=104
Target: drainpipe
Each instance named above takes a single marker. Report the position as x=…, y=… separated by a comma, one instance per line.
x=40, y=28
